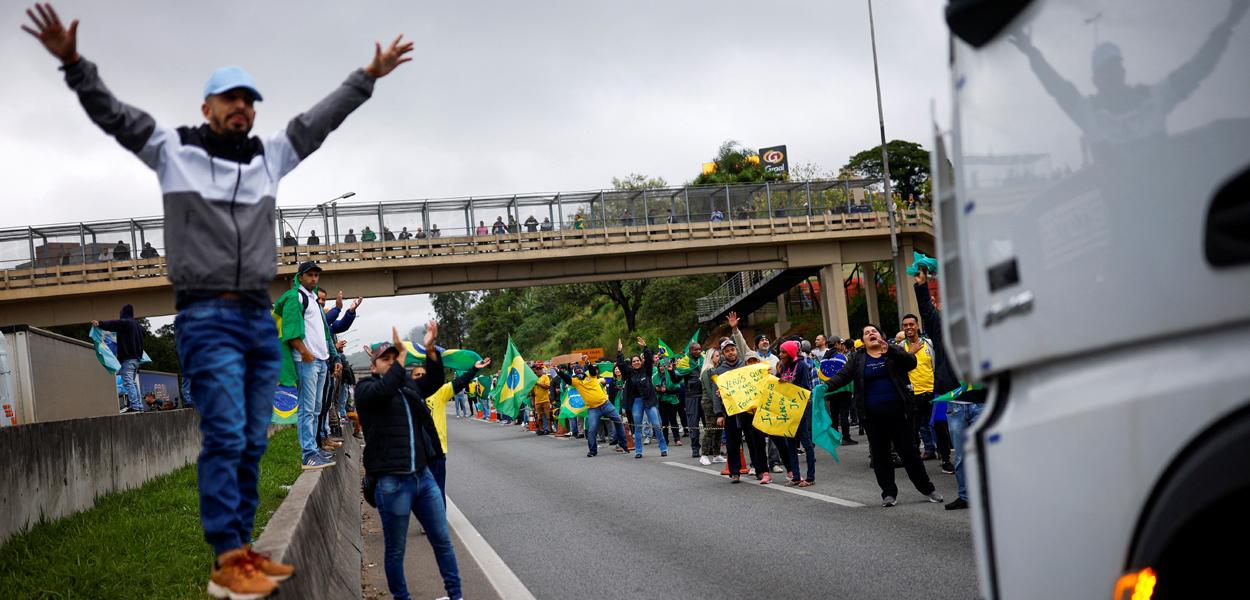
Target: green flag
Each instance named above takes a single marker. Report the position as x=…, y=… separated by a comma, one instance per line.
x=693, y=340
x=824, y=434
x=515, y=380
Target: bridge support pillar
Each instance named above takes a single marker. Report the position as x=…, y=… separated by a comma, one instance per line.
x=783, y=321
x=833, y=301
x=870, y=294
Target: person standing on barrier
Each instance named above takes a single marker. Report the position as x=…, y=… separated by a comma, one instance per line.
x=221, y=259
x=640, y=393
x=129, y=353
x=401, y=447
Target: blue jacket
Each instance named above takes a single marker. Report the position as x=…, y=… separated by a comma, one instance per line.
x=129, y=334
x=338, y=325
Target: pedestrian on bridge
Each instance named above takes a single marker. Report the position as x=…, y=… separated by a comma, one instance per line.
x=221, y=260
x=368, y=235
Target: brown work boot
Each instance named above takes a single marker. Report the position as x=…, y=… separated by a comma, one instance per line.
x=269, y=567
x=235, y=578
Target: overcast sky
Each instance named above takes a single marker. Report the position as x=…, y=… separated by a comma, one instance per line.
x=502, y=97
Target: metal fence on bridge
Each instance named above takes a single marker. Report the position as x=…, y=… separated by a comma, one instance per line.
x=85, y=243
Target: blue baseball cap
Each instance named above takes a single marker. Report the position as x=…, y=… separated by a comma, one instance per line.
x=229, y=78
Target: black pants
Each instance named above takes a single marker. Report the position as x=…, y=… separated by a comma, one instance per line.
x=921, y=409
x=892, y=428
x=736, y=427
x=694, y=414
x=942, y=431
x=840, y=411
x=668, y=419
x=682, y=413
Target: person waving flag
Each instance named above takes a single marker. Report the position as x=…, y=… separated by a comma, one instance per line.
x=515, y=381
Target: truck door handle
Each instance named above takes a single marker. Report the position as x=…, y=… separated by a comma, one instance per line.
x=978, y=21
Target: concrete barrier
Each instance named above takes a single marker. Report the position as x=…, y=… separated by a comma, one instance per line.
x=317, y=529
x=58, y=468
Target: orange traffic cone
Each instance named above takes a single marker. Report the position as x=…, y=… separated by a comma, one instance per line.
x=743, y=461
x=494, y=416
x=629, y=438
x=532, y=425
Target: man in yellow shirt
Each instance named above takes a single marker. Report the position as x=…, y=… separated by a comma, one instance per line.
x=587, y=384
x=542, y=402
x=437, y=403
x=921, y=383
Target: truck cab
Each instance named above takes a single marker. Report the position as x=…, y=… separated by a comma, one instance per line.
x=1093, y=212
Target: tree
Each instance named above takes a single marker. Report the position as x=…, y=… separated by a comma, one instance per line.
x=909, y=165
x=635, y=181
x=734, y=164
x=809, y=171
x=626, y=295
x=452, y=310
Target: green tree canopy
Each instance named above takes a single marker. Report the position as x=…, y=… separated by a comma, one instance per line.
x=733, y=165
x=909, y=166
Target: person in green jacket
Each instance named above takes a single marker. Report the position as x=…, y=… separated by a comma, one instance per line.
x=368, y=235
x=667, y=385
x=307, y=351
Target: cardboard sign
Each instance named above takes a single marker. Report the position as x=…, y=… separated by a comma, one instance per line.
x=742, y=389
x=781, y=409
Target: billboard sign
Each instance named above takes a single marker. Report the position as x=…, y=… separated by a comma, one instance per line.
x=775, y=160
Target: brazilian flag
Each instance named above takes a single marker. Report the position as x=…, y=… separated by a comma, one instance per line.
x=571, y=403
x=454, y=359
x=515, y=381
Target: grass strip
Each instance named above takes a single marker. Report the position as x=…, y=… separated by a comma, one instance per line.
x=141, y=543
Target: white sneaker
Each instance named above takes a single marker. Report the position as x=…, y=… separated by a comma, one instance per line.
x=778, y=469
x=704, y=460
x=720, y=459
x=646, y=442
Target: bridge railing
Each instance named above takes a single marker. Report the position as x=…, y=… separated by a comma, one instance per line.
x=738, y=285
x=86, y=252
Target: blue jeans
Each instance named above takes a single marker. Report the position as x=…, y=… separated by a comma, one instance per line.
x=802, y=437
x=572, y=421
x=461, y=408
x=129, y=368
x=438, y=469
x=653, y=417
x=959, y=417
x=312, y=379
x=229, y=351
x=398, y=497
x=594, y=418
x=187, y=400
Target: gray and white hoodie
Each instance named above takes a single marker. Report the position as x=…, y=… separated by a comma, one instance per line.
x=219, y=193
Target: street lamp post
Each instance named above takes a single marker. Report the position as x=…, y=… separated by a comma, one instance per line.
x=885, y=174
x=319, y=208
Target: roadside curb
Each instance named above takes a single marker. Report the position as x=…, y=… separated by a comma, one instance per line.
x=317, y=529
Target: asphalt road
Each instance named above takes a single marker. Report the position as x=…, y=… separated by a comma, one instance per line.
x=616, y=527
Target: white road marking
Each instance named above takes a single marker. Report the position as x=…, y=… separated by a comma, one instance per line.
x=781, y=487
x=501, y=577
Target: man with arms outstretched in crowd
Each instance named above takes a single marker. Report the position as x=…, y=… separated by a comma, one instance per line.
x=219, y=186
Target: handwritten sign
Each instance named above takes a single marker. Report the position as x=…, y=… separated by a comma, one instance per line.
x=741, y=390
x=781, y=408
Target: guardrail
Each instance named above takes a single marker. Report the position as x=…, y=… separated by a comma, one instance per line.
x=148, y=269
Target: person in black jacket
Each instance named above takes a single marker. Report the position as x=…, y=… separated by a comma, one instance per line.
x=401, y=442
x=640, y=393
x=962, y=411
x=129, y=352
x=881, y=390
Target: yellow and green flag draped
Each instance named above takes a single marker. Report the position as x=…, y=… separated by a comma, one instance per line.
x=454, y=358
x=572, y=404
x=515, y=381
x=824, y=432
